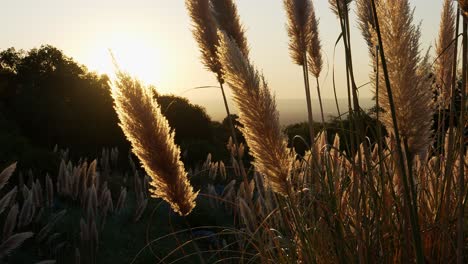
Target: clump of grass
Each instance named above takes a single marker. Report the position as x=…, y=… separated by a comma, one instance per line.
x=378, y=200
x=410, y=84
x=153, y=143
x=300, y=25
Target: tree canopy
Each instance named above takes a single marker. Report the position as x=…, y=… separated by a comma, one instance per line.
x=48, y=99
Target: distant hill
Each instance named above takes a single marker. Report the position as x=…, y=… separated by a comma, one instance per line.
x=291, y=110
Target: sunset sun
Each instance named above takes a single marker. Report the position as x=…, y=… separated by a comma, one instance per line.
x=133, y=53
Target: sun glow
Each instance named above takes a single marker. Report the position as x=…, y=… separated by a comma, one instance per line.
x=133, y=53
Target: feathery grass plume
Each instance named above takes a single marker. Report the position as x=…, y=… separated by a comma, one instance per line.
x=298, y=14
x=25, y=192
x=38, y=194
x=225, y=13
x=203, y=14
x=366, y=23
x=411, y=88
x=314, y=47
x=6, y=174
x=7, y=199
x=91, y=202
x=343, y=6
x=152, y=142
x=121, y=200
x=258, y=114
x=205, y=33
x=50, y=224
x=91, y=174
x=13, y=242
x=464, y=7
x=49, y=191
x=27, y=211
x=10, y=222
x=140, y=209
x=445, y=50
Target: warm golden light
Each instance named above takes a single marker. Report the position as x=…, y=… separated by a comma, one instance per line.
x=134, y=54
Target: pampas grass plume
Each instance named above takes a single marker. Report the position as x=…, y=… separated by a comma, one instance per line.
x=6, y=174
x=225, y=13
x=205, y=33
x=10, y=222
x=258, y=114
x=13, y=242
x=407, y=71
x=152, y=142
x=314, y=47
x=298, y=13
x=445, y=49
x=366, y=22
x=7, y=199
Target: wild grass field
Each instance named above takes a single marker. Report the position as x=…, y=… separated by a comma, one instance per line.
x=386, y=185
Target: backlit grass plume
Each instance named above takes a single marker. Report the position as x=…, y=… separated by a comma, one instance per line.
x=258, y=114
x=205, y=33
x=298, y=13
x=225, y=13
x=314, y=50
x=314, y=47
x=152, y=142
x=207, y=17
x=411, y=88
x=366, y=22
x=445, y=50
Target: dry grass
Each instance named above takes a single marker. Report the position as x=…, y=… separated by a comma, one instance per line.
x=366, y=23
x=153, y=143
x=410, y=83
x=227, y=18
x=252, y=95
x=314, y=47
x=346, y=208
x=333, y=206
x=298, y=14
x=445, y=50
x=205, y=33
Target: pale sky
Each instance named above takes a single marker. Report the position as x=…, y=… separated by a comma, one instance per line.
x=152, y=39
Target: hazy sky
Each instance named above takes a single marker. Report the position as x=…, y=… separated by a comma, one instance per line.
x=152, y=39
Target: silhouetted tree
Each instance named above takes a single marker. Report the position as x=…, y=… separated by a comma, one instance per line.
x=54, y=100
x=46, y=98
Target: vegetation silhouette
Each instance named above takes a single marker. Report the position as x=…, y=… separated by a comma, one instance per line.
x=48, y=99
